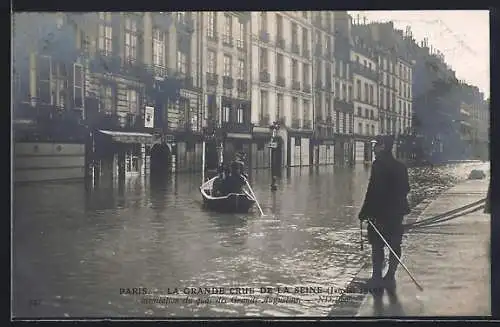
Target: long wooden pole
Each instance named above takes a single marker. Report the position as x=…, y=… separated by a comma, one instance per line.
x=420, y=288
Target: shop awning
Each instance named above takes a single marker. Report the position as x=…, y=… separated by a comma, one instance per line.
x=129, y=137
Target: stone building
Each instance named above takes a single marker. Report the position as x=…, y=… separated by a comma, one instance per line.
x=281, y=86
x=226, y=84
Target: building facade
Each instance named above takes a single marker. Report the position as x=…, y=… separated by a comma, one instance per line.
x=281, y=86
x=365, y=80
x=227, y=65
x=343, y=89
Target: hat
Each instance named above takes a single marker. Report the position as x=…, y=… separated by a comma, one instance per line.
x=386, y=140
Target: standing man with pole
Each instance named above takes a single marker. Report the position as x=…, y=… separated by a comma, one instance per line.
x=385, y=206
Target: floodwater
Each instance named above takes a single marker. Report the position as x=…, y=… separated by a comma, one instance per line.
x=76, y=249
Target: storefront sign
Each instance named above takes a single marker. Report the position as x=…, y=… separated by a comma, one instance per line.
x=149, y=117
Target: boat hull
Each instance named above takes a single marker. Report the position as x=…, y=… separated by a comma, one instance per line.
x=231, y=203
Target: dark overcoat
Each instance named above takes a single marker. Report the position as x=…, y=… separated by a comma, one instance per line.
x=388, y=188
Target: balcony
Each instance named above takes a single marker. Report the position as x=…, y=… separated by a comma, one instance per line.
x=264, y=36
x=227, y=82
x=295, y=123
x=364, y=71
x=306, y=53
x=213, y=37
x=105, y=62
x=280, y=43
x=296, y=85
x=343, y=106
x=264, y=120
x=234, y=127
x=227, y=41
x=212, y=79
x=280, y=81
x=295, y=48
x=241, y=86
x=132, y=67
x=265, y=77
x=307, y=124
x=240, y=45
x=306, y=88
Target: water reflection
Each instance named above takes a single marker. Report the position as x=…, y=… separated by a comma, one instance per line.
x=86, y=243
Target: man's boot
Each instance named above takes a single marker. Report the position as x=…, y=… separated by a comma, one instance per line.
x=390, y=277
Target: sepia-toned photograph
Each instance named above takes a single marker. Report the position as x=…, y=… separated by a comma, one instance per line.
x=260, y=164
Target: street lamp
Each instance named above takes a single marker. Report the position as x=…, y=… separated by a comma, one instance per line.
x=273, y=145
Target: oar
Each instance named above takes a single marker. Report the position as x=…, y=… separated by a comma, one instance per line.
x=420, y=288
x=254, y=197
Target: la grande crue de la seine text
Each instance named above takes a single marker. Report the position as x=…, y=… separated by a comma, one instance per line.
x=238, y=290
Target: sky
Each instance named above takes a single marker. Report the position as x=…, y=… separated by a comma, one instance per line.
x=462, y=36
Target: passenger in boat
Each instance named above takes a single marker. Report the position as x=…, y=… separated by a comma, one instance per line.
x=218, y=185
x=235, y=181
x=385, y=205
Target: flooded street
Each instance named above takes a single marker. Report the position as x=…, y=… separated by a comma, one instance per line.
x=74, y=249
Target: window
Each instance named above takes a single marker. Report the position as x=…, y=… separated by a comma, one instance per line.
x=181, y=62
x=241, y=34
x=370, y=66
x=373, y=129
x=228, y=28
x=181, y=16
x=371, y=94
x=279, y=26
x=295, y=70
x=241, y=69
x=263, y=21
x=158, y=47
x=360, y=128
x=227, y=66
x=295, y=108
x=130, y=39
x=279, y=105
x=400, y=88
x=357, y=59
x=226, y=111
x=78, y=85
x=279, y=64
x=399, y=105
x=263, y=60
x=105, y=33
x=341, y=70
x=45, y=79
x=344, y=123
x=349, y=93
x=366, y=92
x=366, y=113
x=211, y=24
x=240, y=114
x=367, y=129
x=358, y=89
x=305, y=39
x=344, y=92
x=337, y=121
x=372, y=115
x=132, y=101
x=337, y=90
x=351, y=123
x=327, y=105
x=388, y=99
x=360, y=112
x=305, y=111
x=304, y=14
x=381, y=100
x=211, y=65
x=263, y=103
x=107, y=99
x=295, y=34
x=305, y=74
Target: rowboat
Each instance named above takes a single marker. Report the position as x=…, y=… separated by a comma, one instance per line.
x=231, y=203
